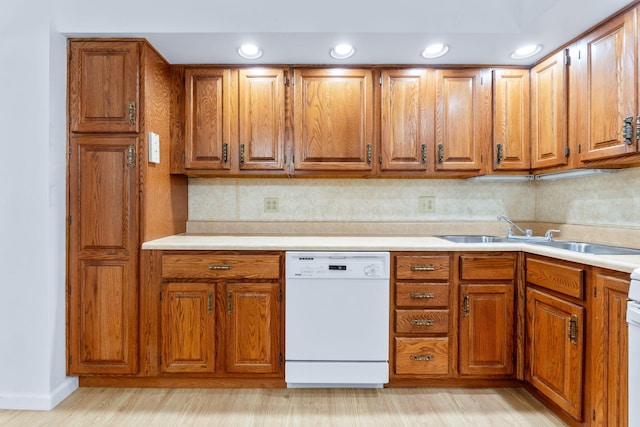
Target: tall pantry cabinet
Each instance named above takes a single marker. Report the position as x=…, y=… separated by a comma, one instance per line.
x=118, y=93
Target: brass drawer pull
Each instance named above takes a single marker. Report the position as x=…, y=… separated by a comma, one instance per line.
x=423, y=322
x=423, y=268
x=219, y=267
x=418, y=295
x=422, y=357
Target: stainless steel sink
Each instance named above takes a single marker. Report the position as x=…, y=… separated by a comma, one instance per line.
x=473, y=238
x=588, y=248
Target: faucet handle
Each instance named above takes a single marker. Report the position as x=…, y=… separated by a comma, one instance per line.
x=509, y=231
x=549, y=234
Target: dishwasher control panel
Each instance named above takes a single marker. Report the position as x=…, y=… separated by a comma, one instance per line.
x=344, y=265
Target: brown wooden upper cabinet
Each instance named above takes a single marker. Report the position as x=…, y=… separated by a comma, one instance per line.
x=462, y=119
x=511, y=129
x=606, y=74
x=262, y=119
x=208, y=118
x=103, y=86
x=333, y=120
x=549, y=112
x=407, y=107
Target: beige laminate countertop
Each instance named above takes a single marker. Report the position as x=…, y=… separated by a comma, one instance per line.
x=624, y=263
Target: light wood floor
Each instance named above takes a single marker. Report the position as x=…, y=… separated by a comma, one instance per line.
x=291, y=407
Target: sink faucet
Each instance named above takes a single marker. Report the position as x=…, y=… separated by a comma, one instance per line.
x=549, y=234
x=528, y=232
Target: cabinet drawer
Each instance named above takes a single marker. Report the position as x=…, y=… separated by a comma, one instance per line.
x=422, y=321
x=566, y=279
x=422, y=267
x=487, y=267
x=422, y=295
x=214, y=266
x=422, y=356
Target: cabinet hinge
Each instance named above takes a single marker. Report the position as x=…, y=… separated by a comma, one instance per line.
x=69, y=220
x=280, y=295
x=567, y=59
x=567, y=151
x=481, y=80
x=69, y=359
x=285, y=81
x=69, y=289
x=380, y=159
x=280, y=358
x=380, y=80
x=160, y=359
x=594, y=415
x=595, y=292
x=579, y=148
x=160, y=295
x=70, y=149
x=131, y=156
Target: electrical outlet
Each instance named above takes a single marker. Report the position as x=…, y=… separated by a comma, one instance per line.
x=427, y=204
x=271, y=205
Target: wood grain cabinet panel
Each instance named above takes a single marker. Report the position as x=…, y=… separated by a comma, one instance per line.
x=188, y=324
x=487, y=329
x=511, y=120
x=333, y=120
x=462, y=119
x=102, y=254
x=103, y=86
x=557, y=276
x=549, y=112
x=609, y=332
x=422, y=267
x=607, y=62
x=208, y=130
x=220, y=266
x=422, y=356
x=555, y=349
x=261, y=118
x=487, y=267
x=406, y=109
x=253, y=328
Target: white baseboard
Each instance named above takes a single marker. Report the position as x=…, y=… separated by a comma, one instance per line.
x=39, y=402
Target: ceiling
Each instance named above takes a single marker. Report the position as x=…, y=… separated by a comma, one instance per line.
x=383, y=32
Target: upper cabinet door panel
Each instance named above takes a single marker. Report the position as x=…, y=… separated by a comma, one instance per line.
x=333, y=113
x=103, y=86
x=406, y=110
x=549, y=112
x=262, y=118
x=610, y=66
x=511, y=129
x=207, y=118
x=463, y=119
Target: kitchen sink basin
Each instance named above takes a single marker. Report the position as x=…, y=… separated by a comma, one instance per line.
x=588, y=248
x=472, y=238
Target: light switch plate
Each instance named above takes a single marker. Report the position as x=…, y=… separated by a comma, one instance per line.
x=154, y=148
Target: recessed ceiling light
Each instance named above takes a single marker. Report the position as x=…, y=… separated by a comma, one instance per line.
x=342, y=51
x=526, y=51
x=250, y=51
x=435, y=50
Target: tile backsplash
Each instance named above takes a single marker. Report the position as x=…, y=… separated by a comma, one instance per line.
x=599, y=200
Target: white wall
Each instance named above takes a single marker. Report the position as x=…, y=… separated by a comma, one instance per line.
x=32, y=208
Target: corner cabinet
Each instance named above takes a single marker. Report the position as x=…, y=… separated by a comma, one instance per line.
x=462, y=119
x=549, y=82
x=555, y=334
x=333, y=120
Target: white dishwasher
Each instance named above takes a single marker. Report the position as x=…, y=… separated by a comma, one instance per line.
x=337, y=319
x=633, y=320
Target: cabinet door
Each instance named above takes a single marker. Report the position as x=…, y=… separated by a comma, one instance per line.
x=103, y=86
x=262, y=121
x=511, y=129
x=549, y=112
x=208, y=118
x=463, y=119
x=608, y=62
x=333, y=113
x=555, y=349
x=253, y=328
x=102, y=256
x=406, y=110
x=486, y=330
x=610, y=342
x=187, y=331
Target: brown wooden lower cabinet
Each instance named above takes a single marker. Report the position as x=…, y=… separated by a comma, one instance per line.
x=422, y=356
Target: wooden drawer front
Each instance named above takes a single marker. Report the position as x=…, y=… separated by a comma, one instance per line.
x=422, y=295
x=568, y=280
x=422, y=321
x=487, y=267
x=422, y=267
x=221, y=266
x=422, y=356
